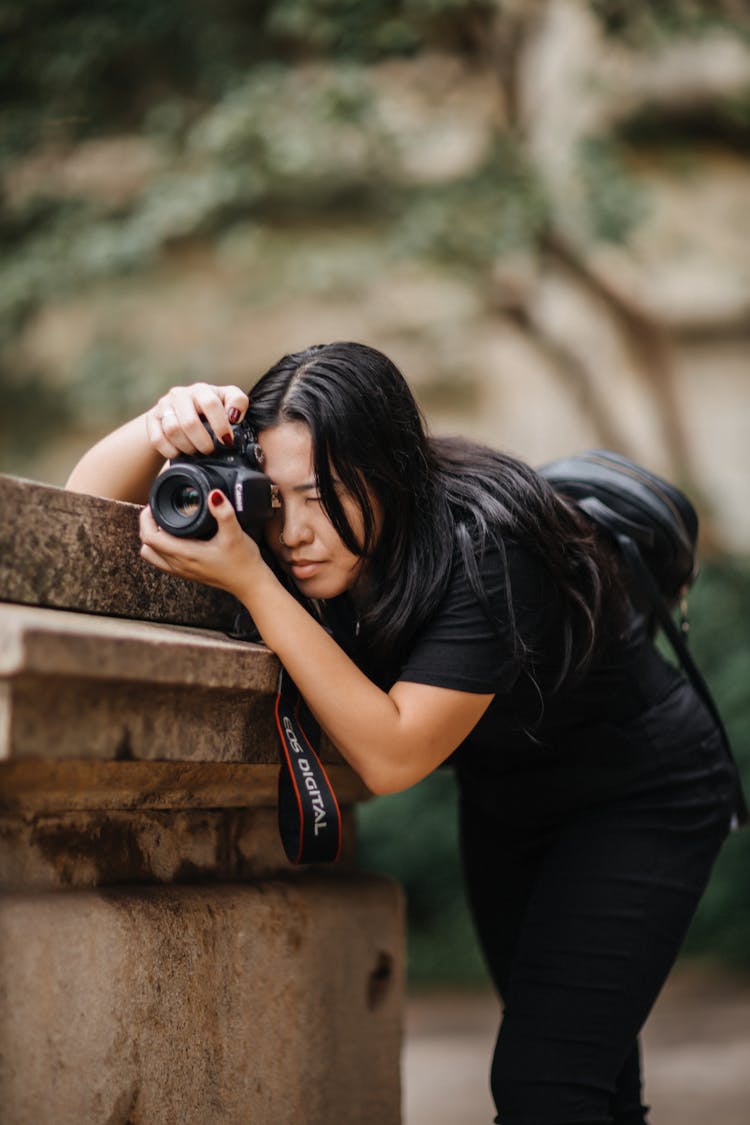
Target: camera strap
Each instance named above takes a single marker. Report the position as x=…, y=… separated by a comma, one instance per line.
x=309, y=815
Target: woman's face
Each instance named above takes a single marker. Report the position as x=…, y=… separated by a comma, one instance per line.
x=311, y=551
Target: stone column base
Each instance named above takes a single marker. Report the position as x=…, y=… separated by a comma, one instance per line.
x=277, y=1003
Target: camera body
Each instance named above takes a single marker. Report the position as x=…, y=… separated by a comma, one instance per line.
x=179, y=495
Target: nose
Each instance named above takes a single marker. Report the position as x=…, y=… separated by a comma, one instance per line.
x=295, y=529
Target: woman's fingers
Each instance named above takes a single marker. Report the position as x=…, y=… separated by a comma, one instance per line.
x=223, y=407
x=176, y=426
x=159, y=548
x=202, y=399
x=235, y=402
x=158, y=438
x=149, y=555
x=217, y=561
x=149, y=529
x=180, y=417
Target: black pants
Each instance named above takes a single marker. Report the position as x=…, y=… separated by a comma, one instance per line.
x=583, y=881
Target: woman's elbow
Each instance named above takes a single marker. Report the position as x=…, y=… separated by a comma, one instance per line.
x=382, y=780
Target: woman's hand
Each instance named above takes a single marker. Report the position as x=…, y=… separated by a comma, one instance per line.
x=226, y=561
x=123, y=465
x=174, y=425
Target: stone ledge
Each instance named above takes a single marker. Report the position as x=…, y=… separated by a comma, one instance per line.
x=65, y=550
x=81, y=824
x=126, y=690
x=60, y=851
x=37, y=642
x=46, y=787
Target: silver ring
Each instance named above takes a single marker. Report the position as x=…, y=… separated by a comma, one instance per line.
x=166, y=415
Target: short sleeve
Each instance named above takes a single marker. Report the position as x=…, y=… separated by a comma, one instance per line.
x=462, y=646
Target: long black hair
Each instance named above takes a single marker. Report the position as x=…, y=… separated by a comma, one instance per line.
x=438, y=496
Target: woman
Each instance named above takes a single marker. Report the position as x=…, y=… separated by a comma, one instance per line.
x=448, y=604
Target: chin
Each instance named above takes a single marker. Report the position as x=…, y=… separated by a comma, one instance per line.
x=318, y=588
x=322, y=588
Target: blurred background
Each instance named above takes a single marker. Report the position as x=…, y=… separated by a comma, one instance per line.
x=539, y=208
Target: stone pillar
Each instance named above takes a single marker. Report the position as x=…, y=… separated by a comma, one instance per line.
x=160, y=960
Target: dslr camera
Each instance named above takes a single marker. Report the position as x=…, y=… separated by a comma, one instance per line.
x=179, y=495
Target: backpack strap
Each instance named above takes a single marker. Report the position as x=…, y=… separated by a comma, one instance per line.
x=309, y=815
x=650, y=590
x=616, y=522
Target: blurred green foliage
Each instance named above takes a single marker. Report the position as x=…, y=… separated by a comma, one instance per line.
x=644, y=21
x=499, y=208
x=720, y=611
x=413, y=835
x=70, y=68
x=615, y=205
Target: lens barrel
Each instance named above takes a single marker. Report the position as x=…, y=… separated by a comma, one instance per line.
x=179, y=502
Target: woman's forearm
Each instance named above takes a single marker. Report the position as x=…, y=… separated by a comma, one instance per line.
x=392, y=739
x=359, y=718
x=122, y=466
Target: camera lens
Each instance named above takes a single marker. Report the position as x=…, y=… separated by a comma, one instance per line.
x=186, y=501
x=179, y=501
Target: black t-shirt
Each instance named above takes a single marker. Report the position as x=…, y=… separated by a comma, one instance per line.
x=537, y=753
x=466, y=648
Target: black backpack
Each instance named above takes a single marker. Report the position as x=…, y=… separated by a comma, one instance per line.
x=655, y=528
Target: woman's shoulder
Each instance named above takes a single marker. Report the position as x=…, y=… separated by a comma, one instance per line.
x=500, y=560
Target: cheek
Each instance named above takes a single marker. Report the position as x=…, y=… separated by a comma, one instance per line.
x=355, y=519
x=335, y=547
x=346, y=563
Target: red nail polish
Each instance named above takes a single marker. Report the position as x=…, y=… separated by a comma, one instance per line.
x=217, y=497
x=227, y=439
x=234, y=416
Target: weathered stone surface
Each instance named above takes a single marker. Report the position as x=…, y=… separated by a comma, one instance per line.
x=45, y=787
x=276, y=1004
x=70, y=551
x=160, y=959
x=135, y=753
x=79, y=686
x=687, y=263
x=42, y=851
x=103, y=722
x=41, y=643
